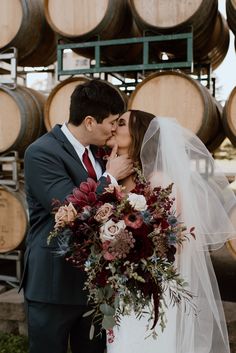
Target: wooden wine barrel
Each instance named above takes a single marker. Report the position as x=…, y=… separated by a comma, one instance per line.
x=56, y=110
x=229, y=117
x=21, y=118
x=82, y=20
x=231, y=14
x=170, y=17
x=175, y=94
x=13, y=219
x=23, y=25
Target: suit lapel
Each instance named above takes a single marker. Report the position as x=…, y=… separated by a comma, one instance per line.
x=58, y=134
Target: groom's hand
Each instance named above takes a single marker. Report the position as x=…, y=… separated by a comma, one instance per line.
x=119, y=166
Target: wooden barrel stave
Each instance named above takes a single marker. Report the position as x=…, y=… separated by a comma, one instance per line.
x=219, y=43
x=217, y=140
x=44, y=54
x=231, y=14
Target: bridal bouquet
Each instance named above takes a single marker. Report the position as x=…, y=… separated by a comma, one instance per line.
x=126, y=244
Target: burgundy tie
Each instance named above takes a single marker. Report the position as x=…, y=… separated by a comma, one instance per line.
x=88, y=165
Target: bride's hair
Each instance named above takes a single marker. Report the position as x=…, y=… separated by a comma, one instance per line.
x=138, y=125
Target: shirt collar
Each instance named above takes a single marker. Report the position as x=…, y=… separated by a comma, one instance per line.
x=75, y=143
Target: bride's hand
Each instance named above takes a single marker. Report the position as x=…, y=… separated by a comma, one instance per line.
x=119, y=166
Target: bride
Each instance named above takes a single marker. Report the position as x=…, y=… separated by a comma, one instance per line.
x=168, y=153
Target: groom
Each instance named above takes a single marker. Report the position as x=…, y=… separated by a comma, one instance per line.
x=54, y=165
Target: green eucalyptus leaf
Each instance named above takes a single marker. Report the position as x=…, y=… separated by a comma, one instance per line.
x=100, y=294
x=108, y=291
x=116, y=302
x=107, y=309
x=91, y=332
x=90, y=312
x=108, y=322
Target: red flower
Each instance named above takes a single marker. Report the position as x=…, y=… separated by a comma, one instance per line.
x=164, y=224
x=84, y=194
x=88, y=186
x=133, y=220
x=143, y=245
x=102, y=277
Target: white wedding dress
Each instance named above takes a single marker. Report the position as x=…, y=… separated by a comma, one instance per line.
x=131, y=336
x=206, y=201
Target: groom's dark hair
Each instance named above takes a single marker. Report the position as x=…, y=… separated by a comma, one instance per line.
x=96, y=98
x=138, y=125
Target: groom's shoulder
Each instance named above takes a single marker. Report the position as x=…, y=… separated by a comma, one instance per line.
x=45, y=143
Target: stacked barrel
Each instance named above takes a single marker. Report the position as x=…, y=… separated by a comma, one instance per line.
x=79, y=21
x=34, y=27
x=23, y=26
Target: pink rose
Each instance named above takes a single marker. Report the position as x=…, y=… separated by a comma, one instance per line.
x=65, y=215
x=103, y=213
x=110, y=229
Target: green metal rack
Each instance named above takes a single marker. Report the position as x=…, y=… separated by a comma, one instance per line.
x=145, y=41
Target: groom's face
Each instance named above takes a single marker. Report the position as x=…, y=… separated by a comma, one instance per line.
x=104, y=131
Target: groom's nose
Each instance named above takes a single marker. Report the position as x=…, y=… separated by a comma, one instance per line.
x=114, y=126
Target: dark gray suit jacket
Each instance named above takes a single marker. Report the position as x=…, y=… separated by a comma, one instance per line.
x=52, y=170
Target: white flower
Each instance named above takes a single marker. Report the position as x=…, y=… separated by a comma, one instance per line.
x=110, y=229
x=138, y=202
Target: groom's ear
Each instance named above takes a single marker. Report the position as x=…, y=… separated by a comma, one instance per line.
x=89, y=123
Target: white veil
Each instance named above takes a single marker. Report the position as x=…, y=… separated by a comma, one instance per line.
x=171, y=153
